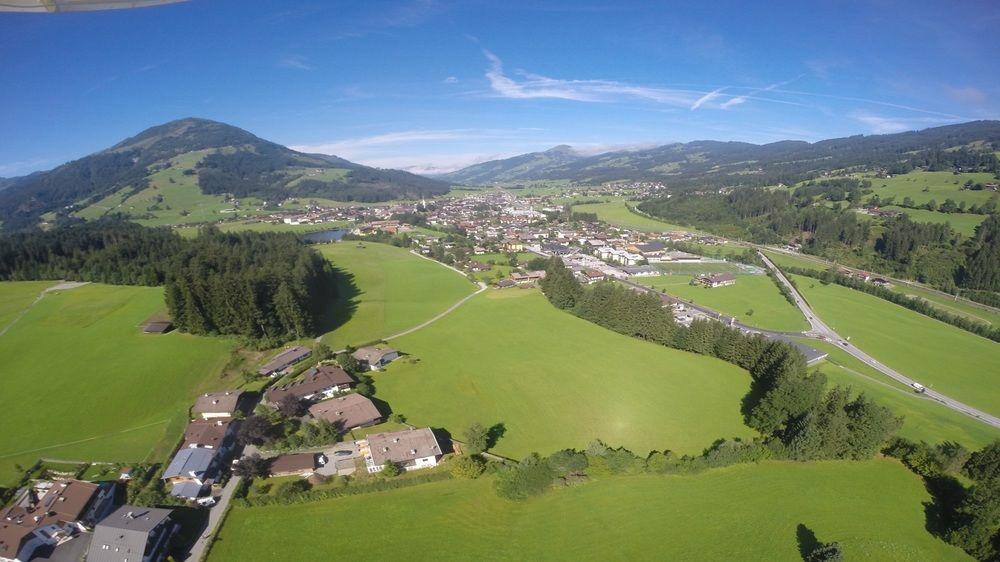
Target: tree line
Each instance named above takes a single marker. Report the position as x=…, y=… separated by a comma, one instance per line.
x=266, y=287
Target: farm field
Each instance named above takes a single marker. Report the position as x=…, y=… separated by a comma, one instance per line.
x=785, y=260
x=617, y=213
x=257, y=226
x=754, y=300
x=500, y=265
x=396, y=290
x=923, y=419
x=872, y=508
x=939, y=186
x=83, y=383
x=15, y=297
x=554, y=381
x=952, y=361
x=964, y=223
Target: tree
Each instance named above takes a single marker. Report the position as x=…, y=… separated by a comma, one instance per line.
x=255, y=430
x=397, y=418
x=391, y=469
x=530, y=477
x=984, y=465
x=467, y=467
x=347, y=362
x=567, y=461
x=252, y=467
x=476, y=439
x=291, y=406
x=322, y=352
x=830, y=552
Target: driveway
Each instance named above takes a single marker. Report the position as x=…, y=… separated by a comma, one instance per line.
x=340, y=465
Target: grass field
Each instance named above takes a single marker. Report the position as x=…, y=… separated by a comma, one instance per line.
x=77, y=371
x=923, y=419
x=748, y=512
x=617, y=213
x=938, y=185
x=963, y=223
x=557, y=381
x=257, y=226
x=753, y=300
x=398, y=290
x=15, y=297
x=952, y=361
x=805, y=262
x=500, y=266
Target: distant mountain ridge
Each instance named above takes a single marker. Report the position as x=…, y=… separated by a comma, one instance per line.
x=718, y=164
x=229, y=160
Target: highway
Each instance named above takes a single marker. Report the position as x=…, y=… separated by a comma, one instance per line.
x=820, y=330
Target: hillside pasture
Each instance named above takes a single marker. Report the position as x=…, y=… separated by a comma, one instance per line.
x=616, y=212
x=749, y=512
x=924, y=186
x=963, y=223
x=82, y=382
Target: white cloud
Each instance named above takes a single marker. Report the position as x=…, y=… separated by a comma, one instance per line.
x=706, y=98
x=880, y=124
x=297, y=62
x=351, y=145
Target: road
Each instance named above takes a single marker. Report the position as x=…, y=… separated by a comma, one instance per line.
x=215, y=515
x=821, y=331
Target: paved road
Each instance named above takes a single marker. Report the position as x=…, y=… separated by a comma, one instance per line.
x=215, y=514
x=822, y=331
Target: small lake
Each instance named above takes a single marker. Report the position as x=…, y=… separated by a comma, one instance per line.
x=324, y=236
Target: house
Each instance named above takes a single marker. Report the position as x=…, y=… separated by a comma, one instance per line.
x=132, y=533
x=298, y=464
x=557, y=249
x=217, y=404
x=410, y=449
x=316, y=383
x=347, y=412
x=641, y=271
x=208, y=434
x=527, y=278
x=591, y=276
x=375, y=357
x=157, y=327
x=190, y=471
x=717, y=280
x=284, y=360
x=50, y=513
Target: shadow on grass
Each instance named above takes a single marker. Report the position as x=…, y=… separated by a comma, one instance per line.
x=494, y=434
x=947, y=494
x=807, y=540
x=342, y=302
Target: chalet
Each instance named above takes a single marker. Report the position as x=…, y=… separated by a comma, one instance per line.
x=297, y=464
x=141, y=534
x=527, y=278
x=50, y=513
x=410, y=449
x=591, y=276
x=717, y=280
x=316, y=383
x=347, y=412
x=375, y=357
x=284, y=360
x=191, y=471
x=209, y=434
x=217, y=404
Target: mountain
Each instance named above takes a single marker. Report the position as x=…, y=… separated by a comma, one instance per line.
x=526, y=166
x=721, y=164
x=202, y=156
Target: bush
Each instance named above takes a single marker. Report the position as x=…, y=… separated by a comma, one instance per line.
x=530, y=477
x=292, y=488
x=467, y=467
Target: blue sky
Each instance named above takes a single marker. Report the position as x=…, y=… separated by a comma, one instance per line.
x=429, y=85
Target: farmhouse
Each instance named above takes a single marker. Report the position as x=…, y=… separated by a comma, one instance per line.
x=50, y=513
x=347, y=412
x=411, y=449
x=717, y=280
x=298, y=464
x=190, y=471
x=208, y=434
x=591, y=276
x=132, y=533
x=375, y=357
x=284, y=360
x=527, y=278
x=316, y=383
x=217, y=404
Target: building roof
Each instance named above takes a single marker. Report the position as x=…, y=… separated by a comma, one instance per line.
x=133, y=518
x=299, y=462
x=217, y=402
x=186, y=489
x=47, y=503
x=719, y=277
x=403, y=446
x=157, y=327
x=206, y=433
x=372, y=353
x=287, y=357
x=312, y=381
x=352, y=410
x=189, y=463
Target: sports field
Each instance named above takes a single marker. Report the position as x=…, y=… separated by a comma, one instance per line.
x=390, y=290
x=924, y=186
x=952, y=361
x=82, y=383
x=554, y=381
x=754, y=300
x=617, y=213
x=748, y=512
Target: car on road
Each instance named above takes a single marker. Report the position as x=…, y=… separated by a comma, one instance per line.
x=918, y=388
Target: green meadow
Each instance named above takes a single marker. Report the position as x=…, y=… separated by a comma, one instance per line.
x=554, y=380
x=259, y=226
x=754, y=300
x=955, y=362
x=81, y=382
x=748, y=512
x=616, y=212
x=389, y=290
x=924, y=186
x=964, y=223
x=16, y=297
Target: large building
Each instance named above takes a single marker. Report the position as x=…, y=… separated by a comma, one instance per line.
x=410, y=449
x=316, y=383
x=347, y=412
x=132, y=534
x=284, y=360
x=217, y=404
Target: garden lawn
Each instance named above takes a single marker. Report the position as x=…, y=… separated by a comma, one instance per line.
x=617, y=213
x=395, y=290
x=555, y=381
x=81, y=382
x=748, y=512
x=754, y=300
x=957, y=363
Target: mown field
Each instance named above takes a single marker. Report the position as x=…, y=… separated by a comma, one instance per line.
x=16, y=297
x=964, y=223
x=924, y=186
x=952, y=361
x=257, y=226
x=617, y=213
x=82, y=383
x=556, y=381
x=753, y=300
x=387, y=290
x=750, y=512
x=923, y=419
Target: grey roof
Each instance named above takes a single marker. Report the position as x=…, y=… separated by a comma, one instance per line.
x=287, y=357
x=403, y=446
x=217, y=402
x=125, y=532
x=189, y=462
x=372, y=354
x=186, y=490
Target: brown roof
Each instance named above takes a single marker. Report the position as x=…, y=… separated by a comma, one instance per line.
x=299, y=462
x=313, y=380
x=372, y=354
x=349, y=411
x=403, y=446
x=206, y=433
x=287, y=357
x=63, y=502
x=217, y=402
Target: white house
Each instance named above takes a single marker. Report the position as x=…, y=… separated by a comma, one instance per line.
x=410, y=449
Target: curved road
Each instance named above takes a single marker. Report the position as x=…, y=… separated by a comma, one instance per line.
x=821, y=331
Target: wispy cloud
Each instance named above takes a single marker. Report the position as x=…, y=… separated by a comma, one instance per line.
x=737, y=100
x=968, y=94
x=297, y=62
x=881, y=124
x=706, y=98
x=22, y=167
